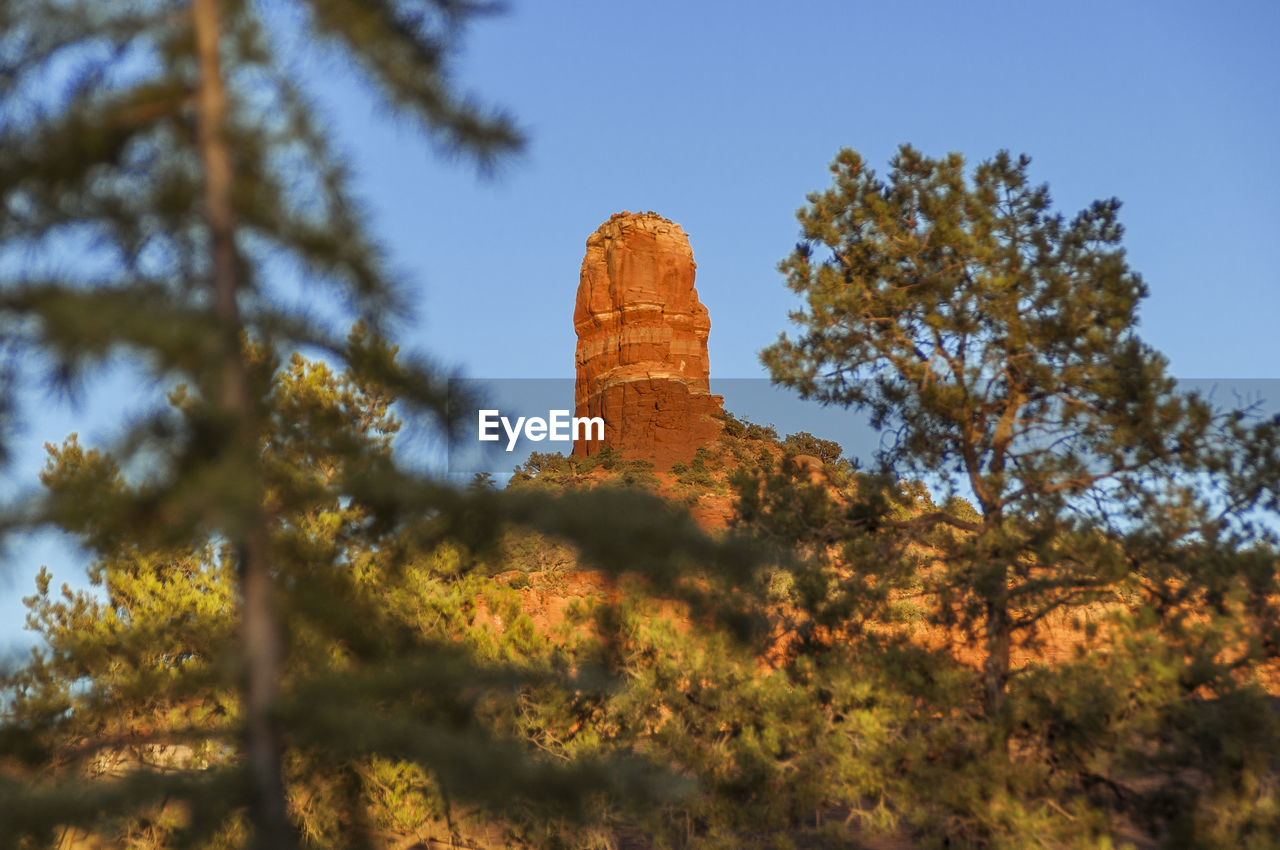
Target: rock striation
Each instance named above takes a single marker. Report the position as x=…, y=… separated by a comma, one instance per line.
x=642, y=342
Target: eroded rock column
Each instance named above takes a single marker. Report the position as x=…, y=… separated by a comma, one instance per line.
x=642, y=342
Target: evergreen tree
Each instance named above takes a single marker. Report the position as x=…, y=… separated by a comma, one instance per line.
x=166, y=146
x=391, y=680
x=995, y=340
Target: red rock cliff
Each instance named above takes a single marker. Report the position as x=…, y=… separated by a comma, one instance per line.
x=642, y=342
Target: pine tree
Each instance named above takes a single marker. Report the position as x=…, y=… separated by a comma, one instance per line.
x=388, y=676
x=995, y=340
x=162, y=149
x=166, y=146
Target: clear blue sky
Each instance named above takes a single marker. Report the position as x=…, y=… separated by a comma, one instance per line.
x=722, y=116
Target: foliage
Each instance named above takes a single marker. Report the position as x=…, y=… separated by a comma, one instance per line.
x=295, y=639
x=282, y=649
x=996, y=338
x=736, y=427
x=169, y=146
x=1124, y=721
x=391, y=668
x=804, y=443
x=553, y=471
x=696, y=475
x=1113, y=514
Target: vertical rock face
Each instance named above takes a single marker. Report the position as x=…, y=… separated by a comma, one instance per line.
x=642, y=342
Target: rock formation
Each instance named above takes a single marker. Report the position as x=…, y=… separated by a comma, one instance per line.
x=642, y=342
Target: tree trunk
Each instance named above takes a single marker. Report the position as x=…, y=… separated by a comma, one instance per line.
x=995, y=669
x=260, y=629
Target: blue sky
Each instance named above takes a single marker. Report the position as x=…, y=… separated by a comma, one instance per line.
x=722, y=116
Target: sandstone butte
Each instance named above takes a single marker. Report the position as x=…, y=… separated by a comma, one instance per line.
x=642, y=343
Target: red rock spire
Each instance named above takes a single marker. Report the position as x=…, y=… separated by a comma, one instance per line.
x=642, y=342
